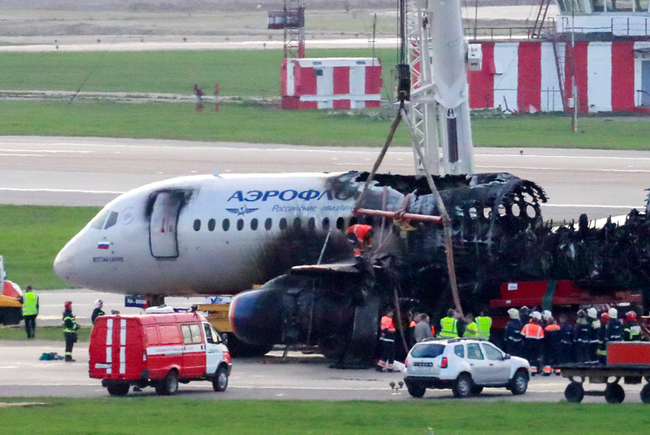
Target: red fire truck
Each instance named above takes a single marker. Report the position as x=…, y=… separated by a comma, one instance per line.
x=158, y=349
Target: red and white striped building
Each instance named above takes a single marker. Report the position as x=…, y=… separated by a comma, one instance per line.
x=526, y=76
x=330, y=83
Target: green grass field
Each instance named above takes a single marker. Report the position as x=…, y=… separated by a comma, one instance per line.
x=241, y=73
x=31, y=236
x=51, y=333
x=176, y=415
x=256, y=124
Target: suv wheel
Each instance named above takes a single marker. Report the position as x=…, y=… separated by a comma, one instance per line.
x=416, y=390
x=463, y=386
x=519, y=383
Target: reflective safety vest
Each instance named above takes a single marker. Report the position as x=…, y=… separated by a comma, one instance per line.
x=361, y=233
x=468, y=331
x=484, y=324
x=70, y=324
x=30, y=304
x=449, y=327
x=533, y=330
x=387, y=329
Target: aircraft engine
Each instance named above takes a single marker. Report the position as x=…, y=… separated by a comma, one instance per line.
x=338, y=314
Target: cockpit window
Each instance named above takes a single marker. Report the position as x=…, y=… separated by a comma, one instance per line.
x=112, y=220
x=105, y=219
x=99, y=220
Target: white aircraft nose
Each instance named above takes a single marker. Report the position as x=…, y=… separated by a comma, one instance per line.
x=64, y=264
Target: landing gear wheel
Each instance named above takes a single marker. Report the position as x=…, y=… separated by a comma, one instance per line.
x=463, y=386
x=220, y=381
x=574, y=392
x=118, y=389
x=416, y=390
x=614, y=393
x=476, y=390
x=519, y=383
x=645, y=394
x=169, y=385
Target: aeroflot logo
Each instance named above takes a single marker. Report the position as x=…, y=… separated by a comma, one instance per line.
x=289, y=195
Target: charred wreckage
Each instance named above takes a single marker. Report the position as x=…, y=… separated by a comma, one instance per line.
x=498, y=236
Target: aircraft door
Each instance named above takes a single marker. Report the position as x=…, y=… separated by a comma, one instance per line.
x=163, y=238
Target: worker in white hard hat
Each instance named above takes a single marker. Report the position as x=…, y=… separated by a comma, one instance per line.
x=533, y=334
x=594, y=334
x=99, y=304
x=512, y=338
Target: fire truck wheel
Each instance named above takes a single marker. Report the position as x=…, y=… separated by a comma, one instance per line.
x=220, y=381
x=574, y=392
x=614, y=393
x=118, y=389
x=645, y=393
x=169, y=385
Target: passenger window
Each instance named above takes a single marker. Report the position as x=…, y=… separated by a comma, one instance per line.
x=474, y=351
x=196, y=334
x=459, y=350
x=240, y=224
x=112, y=220
x=187, y=334
x=492, y=353
x=211, y=335
x=254, y=224
x=311, y=224
x=268, y=224
x=297, y=223
x=225, y=224
x=340, y=222
x=211, y=224
x=197, y=224
x=98, y=221
x=283, y=224
x=326, y=224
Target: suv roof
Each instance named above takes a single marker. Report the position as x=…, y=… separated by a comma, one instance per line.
x=451, y=340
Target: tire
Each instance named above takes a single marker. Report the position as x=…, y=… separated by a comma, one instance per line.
x=220, y=381
x=463, y=386
x=476, y=390
x=416, y=390
x=645, y=393
x=519, y=383
x=169, y=385
x=121, y=389
x=614, y=393
x=574, y=392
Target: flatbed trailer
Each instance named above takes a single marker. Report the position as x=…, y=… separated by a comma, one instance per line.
x=629, y=361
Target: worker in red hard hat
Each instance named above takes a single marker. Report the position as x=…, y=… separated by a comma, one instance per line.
x=70, y=328
x=631, y=329
x=361, y=237
x=602, y=338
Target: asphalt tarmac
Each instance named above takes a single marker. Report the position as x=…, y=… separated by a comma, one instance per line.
x=299, y=377
x=93, y=171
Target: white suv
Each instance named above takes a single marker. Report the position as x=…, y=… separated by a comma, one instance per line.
x=465, y=365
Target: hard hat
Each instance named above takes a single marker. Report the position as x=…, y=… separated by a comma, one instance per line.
x=546, y=314
x=536, y=315
x=68, y=305
x=524, y=310
x=591, y=312
x=613, y=313
x=514, y=313
x=99, y=303
x=631, y=315
x=605, y=317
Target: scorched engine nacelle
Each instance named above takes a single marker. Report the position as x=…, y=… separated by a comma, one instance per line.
x=331, y=306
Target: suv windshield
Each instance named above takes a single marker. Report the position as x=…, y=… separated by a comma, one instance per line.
x=427, y=350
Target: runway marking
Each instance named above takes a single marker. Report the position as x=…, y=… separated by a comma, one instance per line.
x=23, y=155
x=46, y=151
x=539, y=168
x=12, y=189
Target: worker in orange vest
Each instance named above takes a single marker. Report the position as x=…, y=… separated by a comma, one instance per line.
x=360, y=237
x=533, y=335
x=552, y=346
x=387, y=340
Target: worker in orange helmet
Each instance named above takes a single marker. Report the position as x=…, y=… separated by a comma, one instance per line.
x=360, y=237
x=387, y=340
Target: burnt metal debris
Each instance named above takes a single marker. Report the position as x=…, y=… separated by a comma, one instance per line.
x=498, y=236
